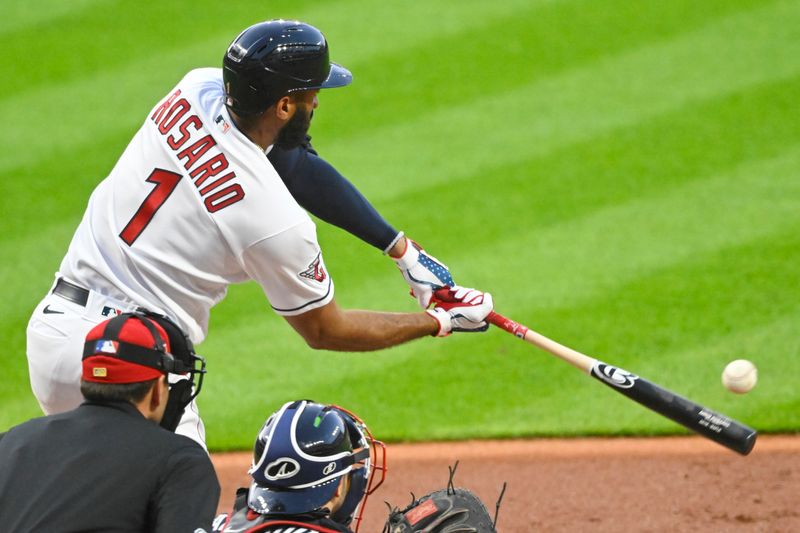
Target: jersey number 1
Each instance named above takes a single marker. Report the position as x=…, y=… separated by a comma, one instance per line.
x=165, y=182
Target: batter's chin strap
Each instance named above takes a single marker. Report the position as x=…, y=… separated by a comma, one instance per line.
x=188, y=364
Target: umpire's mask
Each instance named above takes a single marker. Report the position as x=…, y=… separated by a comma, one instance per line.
x=189, y=366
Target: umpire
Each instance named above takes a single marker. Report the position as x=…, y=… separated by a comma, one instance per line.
x=108, y=465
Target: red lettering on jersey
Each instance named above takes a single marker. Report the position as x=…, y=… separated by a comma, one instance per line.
x=193, y=120
x=212, y=167
x=174, y=114
x=217, y=194
x=159, y=112
x=222, y=199
x=216, y=183
x=196, y=151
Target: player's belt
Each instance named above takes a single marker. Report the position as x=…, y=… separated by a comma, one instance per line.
x=70, y=291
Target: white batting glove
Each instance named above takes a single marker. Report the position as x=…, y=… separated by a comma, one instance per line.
x=466, y=310
x=423, y=272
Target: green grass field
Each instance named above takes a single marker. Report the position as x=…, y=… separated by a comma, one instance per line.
x=623, y=176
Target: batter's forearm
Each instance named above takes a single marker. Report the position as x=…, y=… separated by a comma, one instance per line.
x=332, y=328
x=371, y=330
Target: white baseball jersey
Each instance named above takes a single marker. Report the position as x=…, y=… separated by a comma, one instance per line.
x=192, y=206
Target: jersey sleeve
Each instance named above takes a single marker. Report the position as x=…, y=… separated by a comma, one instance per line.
x=290, y=269
x=189, y=493
x=325, y=193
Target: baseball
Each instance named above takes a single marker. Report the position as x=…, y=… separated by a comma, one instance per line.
x=740, y=376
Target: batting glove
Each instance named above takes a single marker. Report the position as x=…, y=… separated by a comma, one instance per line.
x=465, y=310
x=423, y=273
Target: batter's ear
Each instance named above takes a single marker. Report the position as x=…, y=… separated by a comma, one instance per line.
x=285, y=107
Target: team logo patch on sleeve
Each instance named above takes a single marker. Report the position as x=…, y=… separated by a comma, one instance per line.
x=315, y=270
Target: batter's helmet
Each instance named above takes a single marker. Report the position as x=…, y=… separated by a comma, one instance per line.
x=301, y=454
x=271, y=59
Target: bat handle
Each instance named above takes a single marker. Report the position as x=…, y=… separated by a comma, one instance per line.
x=577, y=359
x=515, y=328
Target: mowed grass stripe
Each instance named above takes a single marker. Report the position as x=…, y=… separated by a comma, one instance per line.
x=697, y=301
x=16, y=398
x=574, y=106
x=594, y=253
x=364, y=43
x=24, y=19
x=525, y=45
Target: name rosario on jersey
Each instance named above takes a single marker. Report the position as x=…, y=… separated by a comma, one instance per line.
x=216, y=194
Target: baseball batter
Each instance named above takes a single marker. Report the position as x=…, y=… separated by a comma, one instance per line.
x=194, y=205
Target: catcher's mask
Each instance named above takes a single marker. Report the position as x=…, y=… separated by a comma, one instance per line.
x=119, y=350
x=300, y=455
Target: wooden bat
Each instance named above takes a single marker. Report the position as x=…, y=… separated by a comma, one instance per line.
x=710, y=424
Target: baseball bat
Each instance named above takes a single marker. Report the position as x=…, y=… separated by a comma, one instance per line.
x=702, y=420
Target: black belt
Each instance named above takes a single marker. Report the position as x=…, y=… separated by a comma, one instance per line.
x=70, y=291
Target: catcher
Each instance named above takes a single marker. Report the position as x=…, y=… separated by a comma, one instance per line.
x=315, y=465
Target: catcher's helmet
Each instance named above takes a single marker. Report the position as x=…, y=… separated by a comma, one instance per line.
x=301, y=453
x=271, y=59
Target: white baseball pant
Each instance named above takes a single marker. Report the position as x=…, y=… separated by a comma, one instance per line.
x=56, y=334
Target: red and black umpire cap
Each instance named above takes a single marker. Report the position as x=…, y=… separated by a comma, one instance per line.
x=128, y=348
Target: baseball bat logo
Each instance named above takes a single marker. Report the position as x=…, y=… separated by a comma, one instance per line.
x=614, y=376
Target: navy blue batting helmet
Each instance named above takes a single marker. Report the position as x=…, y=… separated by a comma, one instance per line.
x=300, y=456
x=274, y=58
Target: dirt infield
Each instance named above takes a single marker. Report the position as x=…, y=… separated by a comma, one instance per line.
x=682, y=484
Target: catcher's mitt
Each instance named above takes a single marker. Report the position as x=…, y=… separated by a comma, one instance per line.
x=450, y=510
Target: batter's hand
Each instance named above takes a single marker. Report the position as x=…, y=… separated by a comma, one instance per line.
x=463, y=310
x=423, y=272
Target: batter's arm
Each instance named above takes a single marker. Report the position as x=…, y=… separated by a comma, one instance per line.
x=326, y=194
x=351, y=330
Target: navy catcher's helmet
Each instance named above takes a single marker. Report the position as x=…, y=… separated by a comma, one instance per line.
x=271, y=59
x=302, y=452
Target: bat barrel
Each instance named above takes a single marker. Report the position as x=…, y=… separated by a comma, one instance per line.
x=702, y=420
